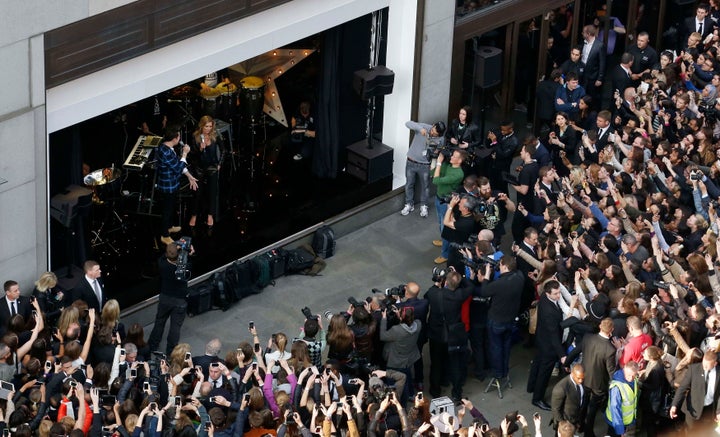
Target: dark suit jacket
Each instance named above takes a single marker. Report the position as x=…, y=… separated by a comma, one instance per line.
x=204, y=362
x=603, y=140
x=599, y=362
x=445, y=308
x=595, y=65
x=565, y=403
x=83, y=290
x=545, y=98
x=23, y=308
x=690, y=395
x=620, y=79
x=523, y=265
x=708, y=25
x=549, y=332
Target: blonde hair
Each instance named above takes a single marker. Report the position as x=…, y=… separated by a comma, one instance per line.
x=68, y=316
x=46, y=281
x=205, y=119
x=110, y=312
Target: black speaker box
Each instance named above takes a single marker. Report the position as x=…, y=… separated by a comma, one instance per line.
x=373, y=82
x=369, y=165
x=488, y=66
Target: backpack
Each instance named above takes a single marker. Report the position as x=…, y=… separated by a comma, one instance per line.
x=323, y=242
x=298, y=260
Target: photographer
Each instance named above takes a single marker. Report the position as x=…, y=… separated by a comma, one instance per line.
x=506, y=292
x=420, y=311
x=172, y=303
x=497, y=205
x=418, y=162
x=479, y=306
x=447, y=332
x=447, y=178
x=457, y=228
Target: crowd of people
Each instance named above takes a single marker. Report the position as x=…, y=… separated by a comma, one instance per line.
x=614, y=236
x=613, y=268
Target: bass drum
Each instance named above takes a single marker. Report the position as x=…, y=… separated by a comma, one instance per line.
x=252, y=97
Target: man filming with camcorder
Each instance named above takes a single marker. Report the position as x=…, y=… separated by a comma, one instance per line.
x=174, y=275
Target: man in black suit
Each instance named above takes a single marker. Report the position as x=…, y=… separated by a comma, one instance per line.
x=599, y=362
x=545, y=101
x=13, y=304
x=570, y=398
x=698, y=394
x=604, y=129
x=593, y=55
x=90, y=288
x=550, y=349
x=700, y=23
x=212, y=349
x=621, y=74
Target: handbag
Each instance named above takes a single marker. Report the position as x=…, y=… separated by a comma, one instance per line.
x=532, y=324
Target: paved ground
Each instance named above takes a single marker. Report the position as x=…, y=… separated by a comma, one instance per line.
x=390, y=251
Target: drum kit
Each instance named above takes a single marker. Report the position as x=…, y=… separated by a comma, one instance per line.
x=105, y=185
x=225, y=101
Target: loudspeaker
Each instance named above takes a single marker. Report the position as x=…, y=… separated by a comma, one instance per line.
x=369, y=165
x=488, y=66
x=373, y=82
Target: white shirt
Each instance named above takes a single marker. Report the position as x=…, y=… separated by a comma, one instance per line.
x=586, y=51
x=10, y=306
x=710, y=389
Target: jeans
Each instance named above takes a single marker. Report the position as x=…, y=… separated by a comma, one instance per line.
x=422, y=172
x=500, y=336
x=479, y=343
x=173, y=308
x=441, y=207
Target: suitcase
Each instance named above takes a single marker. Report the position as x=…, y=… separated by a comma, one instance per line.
x=261, y=272
x=324, y=242
x=276, y=259
x=220, y=295
x=240, y=280
x=199, y=299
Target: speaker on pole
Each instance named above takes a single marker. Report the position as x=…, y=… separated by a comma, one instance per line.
x=373, y=82
x=488, y=66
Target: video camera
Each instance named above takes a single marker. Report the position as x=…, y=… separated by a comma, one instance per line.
x=481, y=262
x=308, y=314
x=182, y=266
x=709, y=111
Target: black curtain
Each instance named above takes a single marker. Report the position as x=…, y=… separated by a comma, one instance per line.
x=68, y=245
x=325, y=158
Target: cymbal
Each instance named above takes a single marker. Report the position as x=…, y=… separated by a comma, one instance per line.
x=184, y=91
x=102, y=176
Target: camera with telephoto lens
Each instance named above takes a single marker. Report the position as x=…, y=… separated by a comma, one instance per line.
x=483, y=207
x=661, y=285
x=461, y=246
x=439, y=274
x=182, y=266
x=395, y=291
x=480, y=262
x=308, y=314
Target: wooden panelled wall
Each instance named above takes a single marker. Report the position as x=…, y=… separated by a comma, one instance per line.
x=132, y=30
